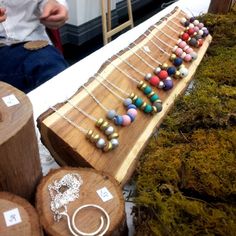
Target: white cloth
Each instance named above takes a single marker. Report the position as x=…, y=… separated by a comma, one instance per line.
x=22, y=21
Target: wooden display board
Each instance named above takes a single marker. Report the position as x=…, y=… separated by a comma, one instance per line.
x=68, y=145
x=18, y=217
x=111, y=200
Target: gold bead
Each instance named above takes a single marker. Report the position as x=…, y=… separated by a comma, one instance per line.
x=99, y=122
x=164, y=66
x=131, y=95
x=89, y=134
x=135, y=97
x=154, y=110
x=143, y=86
x=177, y=74
x=112, y=136
x=108, y=147
x=143, y=105
x=150, y=94
x=94, y=138
x=172, y=57
x=140, y=84
x=181, y=33
x=104, y=125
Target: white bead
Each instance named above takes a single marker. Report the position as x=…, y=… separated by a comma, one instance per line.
x=193, y=55
x=100, y=143
x=183, y=55
x=168, y=78
x=148, y=76
x=109, y=130
x=196, y=22
x=157, y=70
x=114, y=142
x=161, y=85
x=183, y=72
x=191, y=25
x=174, y=48
x=183, y=20
x=200, y=32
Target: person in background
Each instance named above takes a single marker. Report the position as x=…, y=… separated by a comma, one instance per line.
x=27, y=57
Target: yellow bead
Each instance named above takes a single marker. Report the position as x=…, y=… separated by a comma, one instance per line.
x=143, y=105
x=143, y=86
x=140, y=84
x=99, y=122
x=164, y=66
x=108, y=147
x=154, y=110
x=112, y=136
x=94, y=138
x=135, y=97
x=132, y=95
x=177, y=74
x=172, y=57
x=150, y=94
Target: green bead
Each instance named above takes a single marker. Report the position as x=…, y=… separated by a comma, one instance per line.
x=147, y=90
x=138, y=102
x=154, y=98
x=148, y=109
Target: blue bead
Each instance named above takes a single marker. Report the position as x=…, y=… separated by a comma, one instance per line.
x=132, y=117
x=131, y=106
x=171, y=70
x=118, y=120
x=177, y=61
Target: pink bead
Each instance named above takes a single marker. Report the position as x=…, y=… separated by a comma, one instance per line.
x=196, y=29
x=154, y=81
x=182, y=44
x=188, y=57
x=126, y=120
x=200, y=25
x=179, y=51
x=133, y=112
x=189, y=50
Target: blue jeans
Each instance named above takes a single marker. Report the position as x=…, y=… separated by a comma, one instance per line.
x=25, y=69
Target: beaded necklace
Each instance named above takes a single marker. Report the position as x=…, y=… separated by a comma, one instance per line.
x=137, y=101
x=90, y=134
x=102, y=124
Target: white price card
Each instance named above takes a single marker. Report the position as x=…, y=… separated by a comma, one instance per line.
x=10, y=100
x=12, y=217
x=104, y=194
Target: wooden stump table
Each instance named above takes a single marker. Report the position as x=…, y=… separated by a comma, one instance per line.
x=18, y=217
x=20, y=168
x=97, y=188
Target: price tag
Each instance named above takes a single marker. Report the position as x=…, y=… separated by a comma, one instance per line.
x=104, y=194
x=12, y=217
x=146, y=49
x=10, y=100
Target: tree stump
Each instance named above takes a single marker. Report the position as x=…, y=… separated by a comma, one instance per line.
x=29, y=224
x=220, y=6
x=20, y=168
x=87, y=219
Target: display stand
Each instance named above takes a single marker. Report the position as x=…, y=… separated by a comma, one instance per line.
x=20, y=168
x=87, y=219
x=19, y=215
x=69, y=146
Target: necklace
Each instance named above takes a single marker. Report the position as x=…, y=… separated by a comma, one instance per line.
x=90, y=134
x=102, y=124
x=65, y=191
x=137, y=101
x=177, y=61
x=120, y=120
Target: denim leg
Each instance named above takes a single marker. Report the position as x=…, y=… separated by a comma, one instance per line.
x=26, y=69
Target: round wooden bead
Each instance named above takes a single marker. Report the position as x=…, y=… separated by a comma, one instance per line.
x=157, y=70
x=154, y=81
x=179, y=51
x=199, y=42
x=171, y=70
x=186, y=24
x=189, y=50
x=196, y=22
x=183, y=72
x=191, y=19
x=163, y=74
x=109, y=130
x=161, y=85
x=191, y=25
x=147, y=90
x=108, y=147
x=200, y=32
x=177, y=61
x=138, y=102
x=115, y=143
x=196, y=29
x=164, y=66
x=112, y=136
x=132, y=112
x=183, y=20
x=191, y=31
x=94, y=138
x=104, y=125
x=127, y=101
x=118, y=120
x=174, y=48
x=111, y=114
x=188, y=58
x=193, y=55
x=200, y=25
x=193, y=42
x=185, y=36
x=126, y=120
x=154, y=98
x=182, y=44
x=183, y=55
x=148, y=76
x=100, y=143
x=158, y=105
x=147, y=109
x=168, y=84
x=99, y=122
x=89, y=134
x=131, y=106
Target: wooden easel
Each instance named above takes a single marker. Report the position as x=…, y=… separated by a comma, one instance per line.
x=108, y=32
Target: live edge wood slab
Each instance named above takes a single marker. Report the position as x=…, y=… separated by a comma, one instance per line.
x=69, y=146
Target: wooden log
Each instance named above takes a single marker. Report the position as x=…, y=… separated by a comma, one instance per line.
x=69, y=146
x=20, y=168
x=29, y=224
x=87, y=219
x=220, y=6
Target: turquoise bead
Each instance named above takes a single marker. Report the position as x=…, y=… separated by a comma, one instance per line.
x=138, y=102
x=147, y=90
x=154, y=98
x=148, y=109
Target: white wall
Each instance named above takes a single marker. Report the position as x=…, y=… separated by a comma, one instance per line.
x=81, y=11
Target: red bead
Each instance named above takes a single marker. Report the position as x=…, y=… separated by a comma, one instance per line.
x=185, y=36
x=191, y=31
x=154, y=81
x=163, y=74
x=199, y=42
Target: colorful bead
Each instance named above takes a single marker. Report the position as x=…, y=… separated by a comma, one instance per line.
x=126, y=120
x=109, y=130
x=193, y=55
x=112, y=136
x=161, y=85
x=200, y=25
x=131, y=106
x=185, y=36
x=158, y=105
x=171, y=70
x=154, y=81
x=188, y=58
x=115, y=143
x=164, y=66
x=132, y=112
x=108, y=147
x=179, y=51
x=196, y=22
x=118, y=120
x=157, y=70
x=163, y=74
x=147, y=90
x=183, y=72
x=189, y=50
x=127, y=101
x=199, y=42
x=193, y=42
x=191, y=31
x=192, y=19
x=138, y=102
x=177, y=61
x=168, y=84
x=148, y=76
x=182, y=44
x=148, y=109
x=111, y=114
x=154, y=98
x=100, y=143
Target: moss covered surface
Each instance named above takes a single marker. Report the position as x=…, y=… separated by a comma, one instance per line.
x=186, y=180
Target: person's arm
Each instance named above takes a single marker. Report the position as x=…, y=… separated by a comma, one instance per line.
x=2, y=14
x=54, y=14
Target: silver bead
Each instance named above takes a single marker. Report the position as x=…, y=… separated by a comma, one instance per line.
x=115, y=143
x=100, y=143
x=109, y=130
x=157, y=70
x=111, y=114
x=193, y=55
x=148, y=76
x=127, y=101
